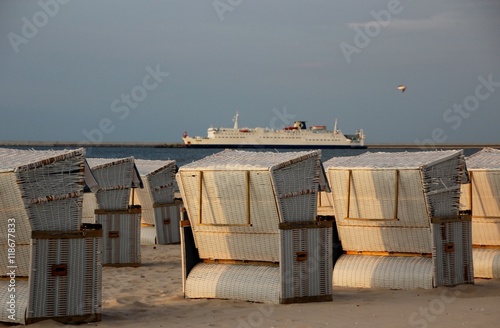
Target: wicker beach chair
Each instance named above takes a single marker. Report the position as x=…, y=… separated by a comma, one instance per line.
x=398, y=219
x=481, y=197
x=252, y=217
x=52, y=268
x=159, y=209
x=116, y=178
x=112, y=208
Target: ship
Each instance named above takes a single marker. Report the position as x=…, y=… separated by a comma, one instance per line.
x=297, y=135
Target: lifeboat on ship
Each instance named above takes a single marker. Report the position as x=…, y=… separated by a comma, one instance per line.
x=318, y=127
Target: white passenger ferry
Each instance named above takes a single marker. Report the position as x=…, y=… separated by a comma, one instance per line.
x=296, y=136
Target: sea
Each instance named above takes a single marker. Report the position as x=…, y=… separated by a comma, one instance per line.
x=184, y=156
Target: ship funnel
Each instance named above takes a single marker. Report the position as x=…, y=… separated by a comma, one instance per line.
x=300, y=124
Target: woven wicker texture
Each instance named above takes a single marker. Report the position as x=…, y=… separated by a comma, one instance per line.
x=21, y=301
x=78, y=291
x=240, y=282
x=167, y=223
x=304, y=272
x=224, y=201
x=231, y=246
x=121, y=237
x=148, y=214
x=297, y=188
x=236, y=199
x=248, y=160
x=386, y=239
x=89, y=207
x=325, y=204
x=50, y=184
x=482, y=196
x=43, y=190
x=64, y=214
x=400, y=189
x=465, y=197
x=12, y=207
x=385, y=202
x=452, y=259
x=306, y=264
x=166, y=228
x=363, y=271
x=148, y=235
x=113, y=199
x=486, y=263
x=157, y=198
x=393, y=160
x=20, y=260
x=487, y=159
x=486, y=232
x=159, y=184
x=372, y=196
x=442, y=182
x=116, y=177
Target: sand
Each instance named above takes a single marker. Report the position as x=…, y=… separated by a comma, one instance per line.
x=151, y=296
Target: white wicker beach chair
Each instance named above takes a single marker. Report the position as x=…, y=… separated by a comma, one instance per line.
x=116, y=178
x=120, y=219
x=253, y=220
x=159, y=209
x=38, y=192
x=402, y=204
x=481, y=197
x=53, y=269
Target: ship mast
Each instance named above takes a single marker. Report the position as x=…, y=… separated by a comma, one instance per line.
x=235, y=120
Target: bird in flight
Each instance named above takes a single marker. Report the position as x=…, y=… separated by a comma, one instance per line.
x=402, y=88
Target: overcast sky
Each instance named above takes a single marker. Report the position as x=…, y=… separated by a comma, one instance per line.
x=121, y=70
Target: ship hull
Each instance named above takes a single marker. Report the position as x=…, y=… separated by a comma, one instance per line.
x=261, y=146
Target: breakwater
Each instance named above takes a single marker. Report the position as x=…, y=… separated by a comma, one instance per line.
x=181, y=145
x=83, y=144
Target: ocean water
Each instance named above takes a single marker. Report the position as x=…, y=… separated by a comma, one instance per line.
x=187, y=155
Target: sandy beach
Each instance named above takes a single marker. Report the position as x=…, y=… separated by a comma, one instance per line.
x=151, y=296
